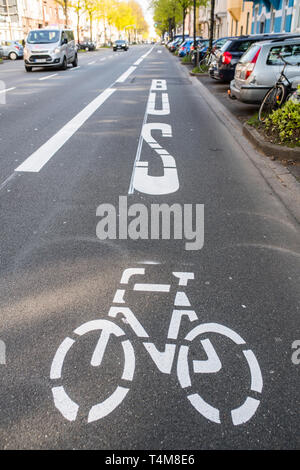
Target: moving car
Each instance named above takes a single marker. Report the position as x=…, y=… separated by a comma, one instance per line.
x=230, y=53
x=87, y=45
x=50, y=48
x=258, y=69
x=12, y=49
x=120, y=44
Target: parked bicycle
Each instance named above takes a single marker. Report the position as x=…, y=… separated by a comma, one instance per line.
x=278, y=94
x=205, y=63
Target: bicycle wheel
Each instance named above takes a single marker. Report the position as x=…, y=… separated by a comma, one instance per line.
x=63, y=402
x=272, y=101
x=204, y=64
x=213, y=365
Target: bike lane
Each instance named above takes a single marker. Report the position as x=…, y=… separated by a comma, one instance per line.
x=179, y=381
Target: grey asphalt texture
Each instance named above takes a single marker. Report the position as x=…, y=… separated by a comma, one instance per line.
x=56, y=274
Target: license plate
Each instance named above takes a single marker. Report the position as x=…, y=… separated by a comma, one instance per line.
x=41, y=60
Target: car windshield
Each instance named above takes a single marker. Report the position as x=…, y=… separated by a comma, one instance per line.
x=120, y=42
x=43, y=37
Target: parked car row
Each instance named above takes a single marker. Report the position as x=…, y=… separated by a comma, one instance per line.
x=250, y=64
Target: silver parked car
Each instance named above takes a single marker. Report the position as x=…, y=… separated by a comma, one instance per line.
x=12, y=49
x=50, y=48
x=260, y=66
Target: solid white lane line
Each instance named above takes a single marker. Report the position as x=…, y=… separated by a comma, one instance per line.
x=40, y=157
x=90, y=63
x=139, y=61
x=125, y=75
x=7, y=89
x=48, y=76
x=143, y=57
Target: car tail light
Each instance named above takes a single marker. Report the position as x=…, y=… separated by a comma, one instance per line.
x=251, y=65
x=192, y=48
x=17, y=47
x=226, y=58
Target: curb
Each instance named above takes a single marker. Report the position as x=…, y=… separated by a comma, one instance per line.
x=278, y=152
x=198, y=74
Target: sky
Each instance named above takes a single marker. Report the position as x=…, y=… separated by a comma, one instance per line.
x=148, y=16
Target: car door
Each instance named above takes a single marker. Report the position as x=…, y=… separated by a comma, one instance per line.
x=71, y=45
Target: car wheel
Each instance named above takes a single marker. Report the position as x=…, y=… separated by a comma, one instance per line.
x=13, y=56
x=75, y=61
x=64, y=64
x=28, y=69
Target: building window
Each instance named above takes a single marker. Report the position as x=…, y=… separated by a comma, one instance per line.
x=262, y=27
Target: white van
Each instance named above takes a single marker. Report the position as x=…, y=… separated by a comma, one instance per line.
x=50, y=47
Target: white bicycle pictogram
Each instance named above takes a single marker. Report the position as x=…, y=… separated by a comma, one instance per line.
x=163, y=360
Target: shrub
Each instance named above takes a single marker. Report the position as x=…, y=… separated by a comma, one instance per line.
x=284, y=124
x=186, y=59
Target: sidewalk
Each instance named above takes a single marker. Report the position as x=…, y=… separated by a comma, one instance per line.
x=240, y=111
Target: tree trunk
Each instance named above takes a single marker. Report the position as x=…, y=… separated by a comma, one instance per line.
x=211, y=26
x=66, y=12
x=183, y=22
x=78, y=27
x=91, y=27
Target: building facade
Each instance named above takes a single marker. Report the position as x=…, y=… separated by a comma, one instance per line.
x=275, y=16
x=239, y=17
x=221, y=19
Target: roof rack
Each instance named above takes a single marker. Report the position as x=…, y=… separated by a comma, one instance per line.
x=285, y=38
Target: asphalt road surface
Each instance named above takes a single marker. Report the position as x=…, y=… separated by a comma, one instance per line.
x=139, y=344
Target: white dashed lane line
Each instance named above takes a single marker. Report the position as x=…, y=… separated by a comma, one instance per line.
x=36, y=161
x=48, y=76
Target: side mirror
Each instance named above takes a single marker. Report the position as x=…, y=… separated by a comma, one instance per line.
x=65, y=41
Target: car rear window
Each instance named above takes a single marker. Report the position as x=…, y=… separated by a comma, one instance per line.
x=240, y=46
x=250, y=54
x=291, y=52
x=225, y=46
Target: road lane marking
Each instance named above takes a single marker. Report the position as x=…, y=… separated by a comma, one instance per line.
x=125, y=75
x=48, y=76
x=186, y=366
x=7, y=89
x=143, y=57
x=90, y=63
x=104, y=58
x=152, y=287
x=75, y=68
x=139, y=61
x=141, y=180
x=36, y=161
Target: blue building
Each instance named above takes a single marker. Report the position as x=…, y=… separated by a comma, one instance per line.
x=275, y=16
